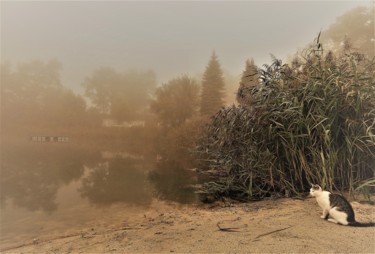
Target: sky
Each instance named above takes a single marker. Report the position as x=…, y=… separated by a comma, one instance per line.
x=169, y=37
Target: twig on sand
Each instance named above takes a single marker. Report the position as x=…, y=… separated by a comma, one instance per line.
x=274, y=231
x=81, y=234
x=226, y=229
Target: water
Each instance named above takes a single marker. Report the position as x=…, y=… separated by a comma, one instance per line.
x=52, y=187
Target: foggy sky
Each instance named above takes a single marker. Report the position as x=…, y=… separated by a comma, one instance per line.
x=171, y=38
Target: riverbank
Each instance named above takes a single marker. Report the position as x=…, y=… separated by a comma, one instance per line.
x=283, y=225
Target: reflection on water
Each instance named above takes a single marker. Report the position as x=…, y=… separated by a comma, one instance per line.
x=55, y=179
x=117, y=180
x=31, y=175
x=172, y=182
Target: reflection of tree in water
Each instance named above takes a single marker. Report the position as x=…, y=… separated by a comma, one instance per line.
x=118, y=180
x=32, y=174
x=172, y=182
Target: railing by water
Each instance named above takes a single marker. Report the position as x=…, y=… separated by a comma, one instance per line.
x=44, y=139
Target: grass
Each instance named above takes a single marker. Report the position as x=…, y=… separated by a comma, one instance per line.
x=312, y=121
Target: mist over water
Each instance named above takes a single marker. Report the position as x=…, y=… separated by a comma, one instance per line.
x=60, y=182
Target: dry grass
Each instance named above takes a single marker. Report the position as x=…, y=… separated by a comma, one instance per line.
x=312, y=121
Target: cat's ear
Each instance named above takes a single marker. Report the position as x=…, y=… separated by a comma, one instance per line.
x=316, y=187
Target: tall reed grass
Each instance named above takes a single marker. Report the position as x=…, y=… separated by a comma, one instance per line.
x=311, y=121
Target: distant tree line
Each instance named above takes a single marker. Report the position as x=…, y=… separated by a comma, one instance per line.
x=122, y=96
x=35, y=102
x=32, y=97
x=355, y=26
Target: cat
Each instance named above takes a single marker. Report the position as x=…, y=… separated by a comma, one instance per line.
x=336, y=208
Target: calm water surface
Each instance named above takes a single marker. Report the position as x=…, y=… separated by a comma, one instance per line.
x=53, y=186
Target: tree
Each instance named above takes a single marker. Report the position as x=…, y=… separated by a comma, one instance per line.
x=176, y=101
x=121, y=95
x=212, y=97
x=357, y=25
x=249, y=80
x=33, y=97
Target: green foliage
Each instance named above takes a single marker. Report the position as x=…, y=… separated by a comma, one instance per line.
x=176, y=101
x=212, y=96
x=312, y=122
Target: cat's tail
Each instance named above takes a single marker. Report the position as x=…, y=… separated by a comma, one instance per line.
x=359, y=224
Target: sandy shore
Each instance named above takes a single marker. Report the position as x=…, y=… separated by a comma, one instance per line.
x=277, y=226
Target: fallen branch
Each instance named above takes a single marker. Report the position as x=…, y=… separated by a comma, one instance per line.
x=227, y=229
x=275, y=231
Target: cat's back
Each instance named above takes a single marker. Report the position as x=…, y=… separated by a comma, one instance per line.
x=342, y=205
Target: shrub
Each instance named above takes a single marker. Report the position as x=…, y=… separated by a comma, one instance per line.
x=312, y=121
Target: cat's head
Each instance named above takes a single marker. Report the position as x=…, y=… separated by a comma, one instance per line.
x=315, y=190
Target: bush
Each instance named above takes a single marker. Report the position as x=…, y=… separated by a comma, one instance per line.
x=312, y=121
x=177, y=143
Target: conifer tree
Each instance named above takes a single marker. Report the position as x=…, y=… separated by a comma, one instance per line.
x=249, y=79
x=212, y=97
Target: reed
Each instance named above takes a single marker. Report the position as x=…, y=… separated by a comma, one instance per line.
x=312, y=121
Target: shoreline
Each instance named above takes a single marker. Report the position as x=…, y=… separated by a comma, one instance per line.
x=282, y=225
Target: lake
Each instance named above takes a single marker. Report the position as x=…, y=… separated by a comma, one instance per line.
x=53, y=187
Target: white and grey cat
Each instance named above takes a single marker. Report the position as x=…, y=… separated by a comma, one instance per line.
x=336, y=208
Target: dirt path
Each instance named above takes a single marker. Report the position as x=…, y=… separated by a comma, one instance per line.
x=284, y=225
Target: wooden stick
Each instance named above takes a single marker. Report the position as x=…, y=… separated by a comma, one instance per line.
x=278, y=230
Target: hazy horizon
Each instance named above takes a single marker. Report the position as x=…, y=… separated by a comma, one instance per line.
x=171, y=38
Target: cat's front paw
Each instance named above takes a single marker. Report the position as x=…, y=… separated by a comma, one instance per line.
x=323, y=217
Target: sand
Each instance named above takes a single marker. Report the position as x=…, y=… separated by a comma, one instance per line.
x=270, y=226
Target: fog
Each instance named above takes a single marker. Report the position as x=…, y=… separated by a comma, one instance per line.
x=170, y=37
x=101, y=102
